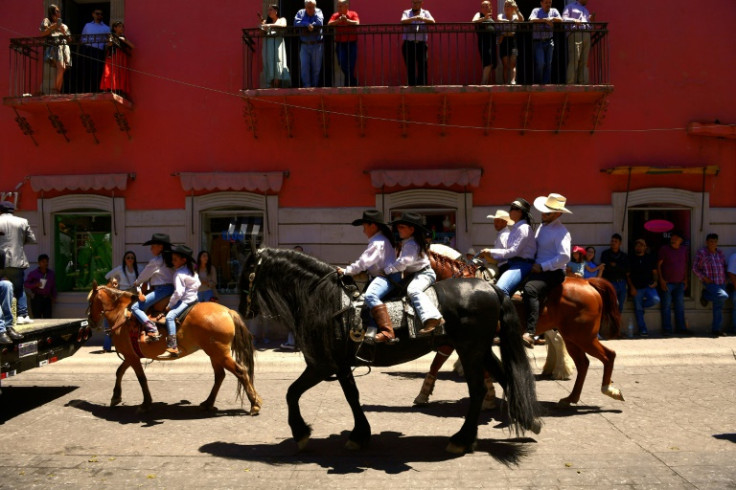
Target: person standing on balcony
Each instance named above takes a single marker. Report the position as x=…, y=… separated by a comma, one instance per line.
x=710, y=267
x=544, y=16
x=92, y=52
x=57, y=53
x=486, y=41
x=310, y=53
x=115, y=76
x=275, y=72
x=346, y=41
x=578, y=41
x=414, y=47
x=508, y=49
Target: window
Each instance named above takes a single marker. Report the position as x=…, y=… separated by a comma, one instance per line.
x=82, y=249
x=227, y=236
x=440, y=222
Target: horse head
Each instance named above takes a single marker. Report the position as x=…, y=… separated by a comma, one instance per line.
x=107, y=302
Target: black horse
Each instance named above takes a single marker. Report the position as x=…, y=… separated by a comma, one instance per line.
x=307, y=296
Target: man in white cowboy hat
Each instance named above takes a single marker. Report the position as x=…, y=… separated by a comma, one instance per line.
x=502, y=223
x=553, y=254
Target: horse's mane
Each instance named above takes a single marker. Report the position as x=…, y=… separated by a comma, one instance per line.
x=301, y=293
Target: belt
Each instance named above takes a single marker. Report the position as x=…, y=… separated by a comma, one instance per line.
x=160, y=285
x=519, y=259
x=311, y=42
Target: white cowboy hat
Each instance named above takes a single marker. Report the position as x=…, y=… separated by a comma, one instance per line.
x=500, y=214
x=554, y=203
x=471, y=251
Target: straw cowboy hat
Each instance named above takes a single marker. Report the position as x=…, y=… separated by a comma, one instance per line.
x=159, y=239
x=501, y=214
x=411, y=219
x=554, y=203
x=372, y=216
x=184, y=251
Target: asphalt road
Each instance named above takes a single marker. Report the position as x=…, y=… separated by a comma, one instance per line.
x=676, y=429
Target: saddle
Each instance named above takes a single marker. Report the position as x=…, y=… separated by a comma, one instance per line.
x=156, y=313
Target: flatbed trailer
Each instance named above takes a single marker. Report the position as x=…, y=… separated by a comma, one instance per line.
x=44, y=342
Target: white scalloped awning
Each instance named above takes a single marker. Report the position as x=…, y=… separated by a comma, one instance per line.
x=84, y=182
x=235, y=181
x=435, y=177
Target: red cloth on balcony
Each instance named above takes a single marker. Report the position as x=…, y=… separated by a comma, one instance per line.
x=115, y=77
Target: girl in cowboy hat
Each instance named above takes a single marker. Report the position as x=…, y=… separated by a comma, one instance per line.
x=379, y=255
x=159, y=274
x=414, y=262
x=186, y=285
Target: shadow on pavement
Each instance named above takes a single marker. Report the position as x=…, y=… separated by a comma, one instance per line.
x=16, y=400
x=388, y=452
x=726, y=437
x=158, y=414
x=552, y=409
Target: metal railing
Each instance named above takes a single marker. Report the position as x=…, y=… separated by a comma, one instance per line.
x=453, y=54
x=88, y=64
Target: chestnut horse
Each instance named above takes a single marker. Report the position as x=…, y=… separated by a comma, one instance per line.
x=579, y=309
x=209, y=326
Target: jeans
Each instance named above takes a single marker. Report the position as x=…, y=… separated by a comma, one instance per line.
x=424, y=308
x=204, y=296
x=6, y=302
x=512, y=277
x=159, y=293
x=310, y=57
x=716, y=293
x=415, y=58
x=347, y=56
x=543, y=51
x=673, y=296
x=645, y=298
x=733, y=313
x=22, y=305
x=379, y=288
x=172, y=314
x=620, y=287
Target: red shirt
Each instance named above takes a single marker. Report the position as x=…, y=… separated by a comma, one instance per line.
x=340, y=32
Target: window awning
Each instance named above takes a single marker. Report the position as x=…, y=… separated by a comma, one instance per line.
x=642, y=170
x=84, y=182
x=418, y=177
x=235, y=181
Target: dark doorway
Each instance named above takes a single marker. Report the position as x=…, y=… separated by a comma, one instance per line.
x=87, y=64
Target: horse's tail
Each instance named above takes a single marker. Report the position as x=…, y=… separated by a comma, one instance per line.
x=611, y=318
x=521, y=393
x=242, y=348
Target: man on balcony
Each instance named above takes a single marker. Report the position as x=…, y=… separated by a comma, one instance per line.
x=414, y=48
x=543, y=17
x=310, y=18
x=346, y=41
x=578, y=41
x=92, y=54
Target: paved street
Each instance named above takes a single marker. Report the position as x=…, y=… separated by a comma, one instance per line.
x=676, y=429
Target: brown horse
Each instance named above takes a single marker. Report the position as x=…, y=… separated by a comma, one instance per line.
x=209, y=326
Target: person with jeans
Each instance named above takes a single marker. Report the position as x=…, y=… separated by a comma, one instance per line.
x=710, y=267
x=616, y=266
x=310, y=52
x=346, y=42
x=731, y=271
x=672, y=272
x=543, y=17
x=642, y=279
x=7, y=333
x=15, y=232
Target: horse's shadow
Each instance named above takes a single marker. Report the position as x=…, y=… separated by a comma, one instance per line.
x=158, y=414
x=441, y=376
x=390, y=452
x=20, y=399
x=552, y=409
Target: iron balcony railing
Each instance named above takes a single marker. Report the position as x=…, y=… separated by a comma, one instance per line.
x=88, y=64
x=453, y=54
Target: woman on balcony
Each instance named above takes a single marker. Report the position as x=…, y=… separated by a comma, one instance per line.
x=509, y=51
x=275, y=72
x=115, y=78
x=486, y=41
x=57, y=53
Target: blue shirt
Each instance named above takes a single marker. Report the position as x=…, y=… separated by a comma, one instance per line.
x=302, y=19
x=93, y=32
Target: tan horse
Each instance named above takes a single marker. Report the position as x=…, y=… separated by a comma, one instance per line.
x=209, y=326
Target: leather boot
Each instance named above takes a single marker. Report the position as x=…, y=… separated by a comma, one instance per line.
x=172, y=349
x=13, y=334
x=152, y=334
x=430, y=325
x=5, y=340
x=383, y=320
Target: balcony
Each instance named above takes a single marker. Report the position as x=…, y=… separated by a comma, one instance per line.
x=454, y=76
x=95, y=84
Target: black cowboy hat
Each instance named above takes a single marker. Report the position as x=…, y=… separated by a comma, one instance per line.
x=159, y=239
x=184, y=251
x=522, y=204
x=373, y=216
x=6, y=207
x=411, y=219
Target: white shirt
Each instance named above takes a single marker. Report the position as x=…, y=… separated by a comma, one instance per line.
x=379, y=255
x=731, y=264
x=126, y=279
x=502, y=239
x=553, y=246
x=416, y=31
x=186, y=286
x=521, y=243
x=156, y=273
x=409, y=260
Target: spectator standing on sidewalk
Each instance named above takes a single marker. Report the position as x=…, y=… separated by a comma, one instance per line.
x=672, y=271
x=41, y=282
x=642, y=279
x=710, y=267
x=616, y=266
x=731, y=270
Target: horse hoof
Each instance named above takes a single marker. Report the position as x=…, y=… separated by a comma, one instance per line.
x=614, y=393
x=143, y=409
x=302, y=443
x=536, y=427
x=115, y=401
x=353, y=446
x=457, y=449
x=488, y=404
x=421, y=399
x=255, y=410
x=208, y=407
x=564, y=403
